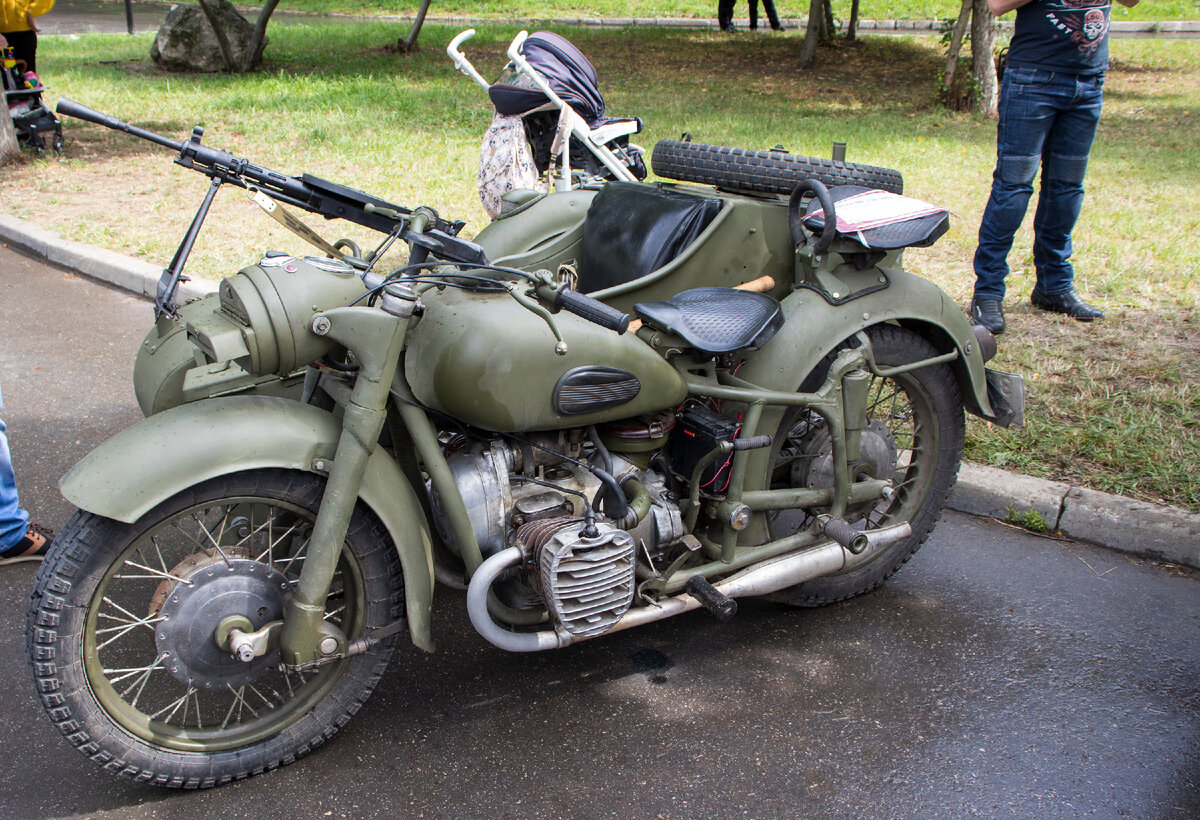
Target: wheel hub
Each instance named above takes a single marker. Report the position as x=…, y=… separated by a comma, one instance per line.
x=877, y=458
x=212, y=591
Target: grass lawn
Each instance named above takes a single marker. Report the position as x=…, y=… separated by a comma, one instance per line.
x=1114, y=406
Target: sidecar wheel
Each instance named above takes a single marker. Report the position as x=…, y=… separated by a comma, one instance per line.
x=914, y=433
x=771, y=172
x=122, y=621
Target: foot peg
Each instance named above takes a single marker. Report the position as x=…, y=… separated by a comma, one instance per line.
x=841, y=532
x=722, y=607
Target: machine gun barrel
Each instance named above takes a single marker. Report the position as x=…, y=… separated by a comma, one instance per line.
x=307, y=192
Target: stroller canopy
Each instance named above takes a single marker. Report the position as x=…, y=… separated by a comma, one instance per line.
x=566, y=71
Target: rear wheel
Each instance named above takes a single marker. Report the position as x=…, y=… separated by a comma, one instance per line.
x=914, y=435
x=123, y=625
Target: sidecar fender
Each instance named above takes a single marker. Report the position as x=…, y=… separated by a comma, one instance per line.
x=135, y=470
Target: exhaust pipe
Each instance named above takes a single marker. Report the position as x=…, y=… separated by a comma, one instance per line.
x=764, y=578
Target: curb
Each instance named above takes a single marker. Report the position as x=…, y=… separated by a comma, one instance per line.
x=1155, y=531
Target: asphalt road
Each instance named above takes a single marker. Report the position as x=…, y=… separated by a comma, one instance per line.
x=997, y=675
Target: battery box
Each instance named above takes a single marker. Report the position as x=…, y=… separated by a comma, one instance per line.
x=699, y=431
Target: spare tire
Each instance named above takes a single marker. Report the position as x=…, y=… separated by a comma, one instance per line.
x=771, y=172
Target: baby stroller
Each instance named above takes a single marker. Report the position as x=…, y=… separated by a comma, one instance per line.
x=32, y=120
x=552, y=90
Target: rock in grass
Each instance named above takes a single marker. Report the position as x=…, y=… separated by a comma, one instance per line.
x=186, y=41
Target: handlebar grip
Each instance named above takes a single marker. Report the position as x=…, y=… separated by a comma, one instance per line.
x=751, y=442
x=591, y=309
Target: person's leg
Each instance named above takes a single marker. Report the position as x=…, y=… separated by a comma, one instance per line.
x=1064, y=163
x=14, y=521
x=772, y=15
x=725, y=14
x=1026, y=116
x=754, y=14
x=24, y=46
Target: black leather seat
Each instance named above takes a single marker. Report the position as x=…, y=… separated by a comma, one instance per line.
x=633, y=229
x=716, y=320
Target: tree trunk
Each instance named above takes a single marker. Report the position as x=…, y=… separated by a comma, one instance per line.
x=9, y=147
x=852, y=27
x=260, y=33
x=956, y=38
x=808, y=51
x=222, y=39
x=830, y=26
x=983, y=41
x=410, y=42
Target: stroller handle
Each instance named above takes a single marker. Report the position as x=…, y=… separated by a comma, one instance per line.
x=460, y=60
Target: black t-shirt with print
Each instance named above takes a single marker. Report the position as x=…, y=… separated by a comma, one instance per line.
x=1062, y=35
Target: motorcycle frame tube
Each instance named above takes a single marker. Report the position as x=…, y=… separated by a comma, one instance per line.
x=828, y=402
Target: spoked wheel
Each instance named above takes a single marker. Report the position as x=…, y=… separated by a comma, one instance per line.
x=128, y=619
x=914, y=435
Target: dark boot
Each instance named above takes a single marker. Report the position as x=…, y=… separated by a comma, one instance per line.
x=1067, y=303
x=988, y=313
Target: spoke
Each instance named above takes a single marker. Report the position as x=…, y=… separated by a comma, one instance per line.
x=162, y=561
x=272, y=543
x=215, y=541
x=240, y=703
x=174, y=706
x=119, y=608
x=285, y=565
x=140, y=682
x=270, y=704
x=123, y=630
x=195, y=542
x=153, y=574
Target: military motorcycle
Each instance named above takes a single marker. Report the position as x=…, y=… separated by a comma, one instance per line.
x=616, y=404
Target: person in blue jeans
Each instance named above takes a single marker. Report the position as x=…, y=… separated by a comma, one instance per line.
x=19, y=539
x=1050, y=99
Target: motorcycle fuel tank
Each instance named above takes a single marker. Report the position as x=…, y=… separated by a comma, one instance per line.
x=485, y=359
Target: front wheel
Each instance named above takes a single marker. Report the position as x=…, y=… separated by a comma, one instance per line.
x=124, y=618
x=914, y=435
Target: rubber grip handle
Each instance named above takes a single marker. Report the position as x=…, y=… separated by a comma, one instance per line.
x=591, y=309
x=721, y=606
x=847, y=536
x=751, y=442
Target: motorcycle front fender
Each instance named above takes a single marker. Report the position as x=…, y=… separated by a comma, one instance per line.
x=142, y=466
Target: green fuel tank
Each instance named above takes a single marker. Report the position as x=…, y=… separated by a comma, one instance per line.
x=485, y=359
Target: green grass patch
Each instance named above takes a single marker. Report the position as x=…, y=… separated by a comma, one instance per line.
x=501, y=10
x=1114, y=406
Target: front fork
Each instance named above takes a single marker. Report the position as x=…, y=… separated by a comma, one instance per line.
x=376, y=337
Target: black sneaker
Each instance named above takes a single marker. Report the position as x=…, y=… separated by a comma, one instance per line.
x=988, y=313
x=33, y=546
x=1067, y=303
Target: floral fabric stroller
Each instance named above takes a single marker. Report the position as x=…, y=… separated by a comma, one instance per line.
x=33, y=121
x=549, y=94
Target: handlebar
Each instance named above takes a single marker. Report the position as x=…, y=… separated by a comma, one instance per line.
x=460, y=60
x=795, y=220
x=591, y=309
